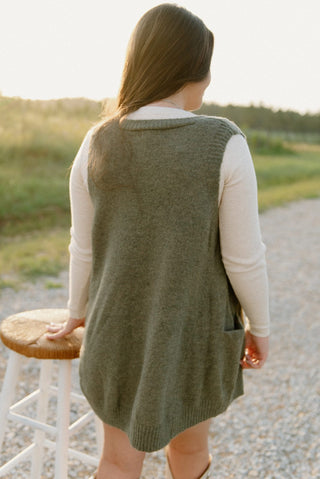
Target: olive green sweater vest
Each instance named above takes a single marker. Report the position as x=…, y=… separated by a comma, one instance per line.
x=163, y=336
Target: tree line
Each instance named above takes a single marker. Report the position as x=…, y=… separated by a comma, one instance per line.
x=247, y=117
x=263, y=118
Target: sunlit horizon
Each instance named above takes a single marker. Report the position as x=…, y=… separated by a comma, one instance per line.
x=101, y=100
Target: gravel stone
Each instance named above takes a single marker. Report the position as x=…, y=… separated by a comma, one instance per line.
x=272, y=432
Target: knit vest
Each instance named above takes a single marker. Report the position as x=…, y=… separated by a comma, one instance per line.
x=163, y=336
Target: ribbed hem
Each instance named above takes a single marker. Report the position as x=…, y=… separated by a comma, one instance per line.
x=150, y=439
x=147, y=438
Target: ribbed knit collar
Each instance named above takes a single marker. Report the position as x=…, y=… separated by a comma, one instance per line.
x=156, y=124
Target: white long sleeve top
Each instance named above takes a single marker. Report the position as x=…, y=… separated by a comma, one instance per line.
x=242, y=249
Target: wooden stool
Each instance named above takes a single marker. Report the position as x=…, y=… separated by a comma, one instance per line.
x=24, y=335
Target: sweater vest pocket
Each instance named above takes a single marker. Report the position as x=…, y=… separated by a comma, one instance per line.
x=231, y=352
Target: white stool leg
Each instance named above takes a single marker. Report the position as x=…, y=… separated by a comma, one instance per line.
x=63, y=420
x=42, y=414
x=99, y=434
x=8, y=390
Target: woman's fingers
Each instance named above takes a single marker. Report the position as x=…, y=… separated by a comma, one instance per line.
x=251, y=362
x=55, y=327
x=256, y=351
x=60, y=330
x=56, y=333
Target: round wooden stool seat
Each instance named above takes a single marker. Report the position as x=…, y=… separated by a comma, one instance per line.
x=25, y=333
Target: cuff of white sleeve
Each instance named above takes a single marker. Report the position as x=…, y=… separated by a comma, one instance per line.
x=77, y=313
x=260, y=332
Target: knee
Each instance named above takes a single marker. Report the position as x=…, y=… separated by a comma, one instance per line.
x=124, y=463
x=187, y=448
x=193, y=440
x=118, y=451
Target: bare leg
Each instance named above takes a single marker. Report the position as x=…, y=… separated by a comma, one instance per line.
x=119, y=459
x=188, y=452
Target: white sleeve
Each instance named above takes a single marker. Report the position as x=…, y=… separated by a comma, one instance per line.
x=80, y=247
x=242, y=249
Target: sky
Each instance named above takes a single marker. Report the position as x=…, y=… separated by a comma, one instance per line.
x=266, y=51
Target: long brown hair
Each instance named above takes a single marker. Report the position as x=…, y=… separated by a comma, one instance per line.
x=169, y=47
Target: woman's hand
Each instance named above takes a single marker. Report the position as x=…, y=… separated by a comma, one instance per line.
x=256, y=351
x=60, y=330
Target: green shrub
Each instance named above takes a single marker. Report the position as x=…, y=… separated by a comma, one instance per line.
x=265, y=144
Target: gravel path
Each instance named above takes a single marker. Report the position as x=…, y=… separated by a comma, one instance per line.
x=273, y=431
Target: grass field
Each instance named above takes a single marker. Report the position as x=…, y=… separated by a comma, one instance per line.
x=38, y=141
x=284, y=178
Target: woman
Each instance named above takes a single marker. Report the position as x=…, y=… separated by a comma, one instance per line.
x=165, y=252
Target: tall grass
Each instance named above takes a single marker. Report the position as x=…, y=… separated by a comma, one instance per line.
x=284, y=178
x=38, y=142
